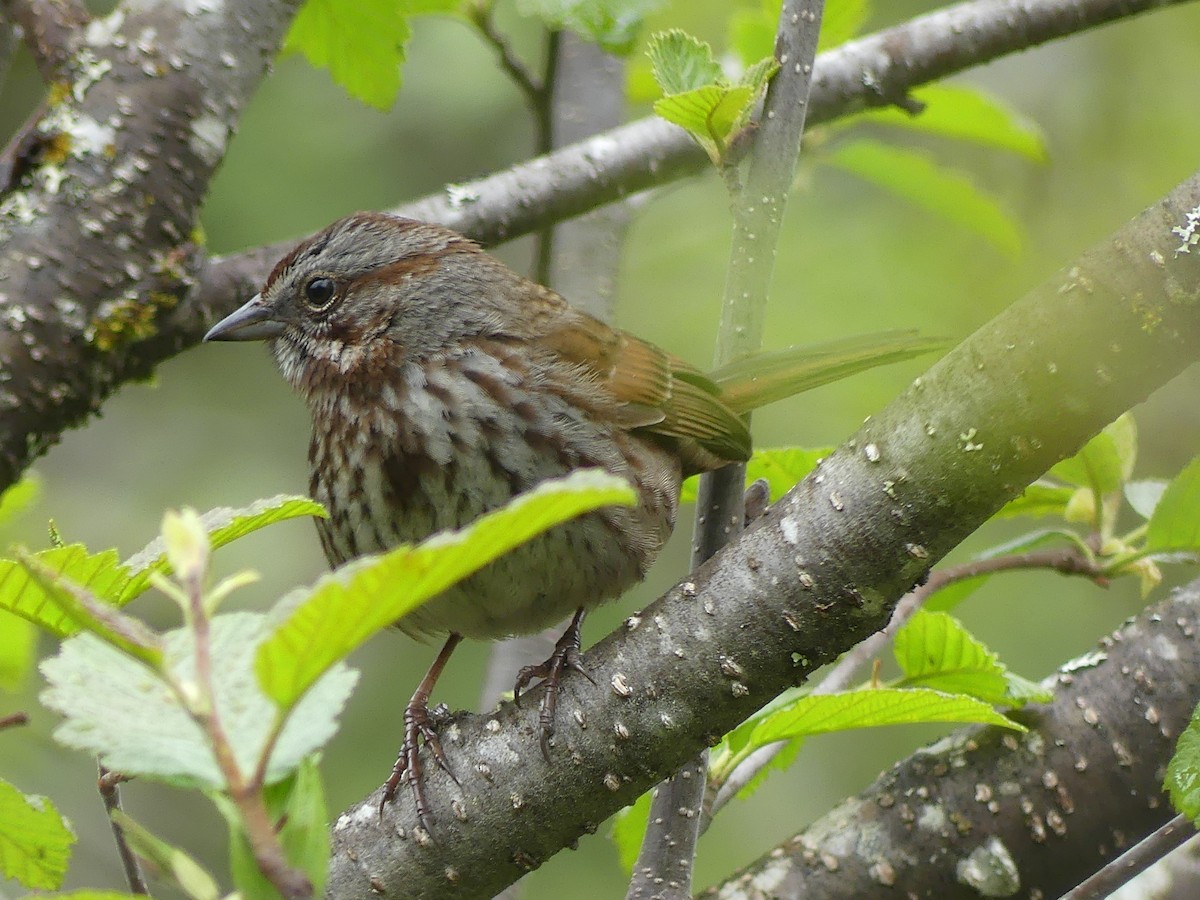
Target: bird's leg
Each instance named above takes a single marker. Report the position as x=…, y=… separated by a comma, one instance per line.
x=565, y=656
x=417, y=728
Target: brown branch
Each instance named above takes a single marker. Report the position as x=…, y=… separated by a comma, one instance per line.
x=51, y=31
x=109, y=785
x=1135, y=860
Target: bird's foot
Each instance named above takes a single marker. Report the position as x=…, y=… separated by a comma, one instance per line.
x=565, y=656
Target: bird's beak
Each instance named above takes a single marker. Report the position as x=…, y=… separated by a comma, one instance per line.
x=252, y=322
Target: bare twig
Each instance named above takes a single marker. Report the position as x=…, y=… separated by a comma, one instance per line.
x=50, y=28
x=1135, y=860
x=110, y=792
x=14, y=719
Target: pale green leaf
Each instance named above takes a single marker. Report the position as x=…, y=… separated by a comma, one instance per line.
x=1039, y=499
x=955, y=593
x=709, y=114
x=682, y=63
x=964, y=114
x=1175, y=524
x=142, y=727
x=224, y=525
x=35, y=841
x=781, y=467
x=873, y=707
x=1183, y=771
x=941, y=190
x=172, y=864
x=100, y=573
x=1106, y=461
x=348, y=606
x=612, y=24
x=361, y=43
x=1144, y=496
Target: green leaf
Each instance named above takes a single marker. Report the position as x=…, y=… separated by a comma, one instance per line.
x=172, y=863
x=361, y=43
x=935, y=651
x=1039, y=499
x=19, y=497
x=142, y=728
x=348, y=606
x=35, y=841
x=89, y=612
x=1106, y=461
x=224, y=525
x=873, y=707
x=917, y=178
x=629, y=828
x=1023, y=543
x=964, y=114
x=1175, y=524
x=1183, y=771
x=781, y=467
x=298, y=802
x=117, y=583
x=97, y=895
x=18, y=641
x=1144, y=496
x=782, y=759
x=612, y=24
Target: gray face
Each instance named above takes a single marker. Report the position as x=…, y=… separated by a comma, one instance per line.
x=368, y=280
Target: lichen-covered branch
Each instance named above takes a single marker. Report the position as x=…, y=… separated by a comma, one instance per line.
x=51, y=28
x=820, y=571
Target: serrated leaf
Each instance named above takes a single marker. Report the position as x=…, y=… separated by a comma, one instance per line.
x=1144, y=496
x=1104, y=462
x=934, y=650
x=224, y=525
x=783, y=758
x=1039, y=499
x=873, y=707
x=100, y=573
x=348, y=606
x=756, y=76
x=710, y=114
x=19, y=497
x=18, y=639
x=629, y=828
x=916, y=177
x=35, y=841
x=298, y=803
x=781, y=467
x=612, y=24
x=142, y=727
x=1183, y=771
x=361, y=43
x=1175, y=524
x=964, y=114
x=173, y=864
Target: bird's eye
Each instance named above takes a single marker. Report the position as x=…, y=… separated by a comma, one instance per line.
x=319, y=292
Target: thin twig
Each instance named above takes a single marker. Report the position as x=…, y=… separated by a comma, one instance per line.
x=481, y=15
x=1135, y=860
x=1067, y=560
x=108, y=783
x=14, y=719
x=49, y=28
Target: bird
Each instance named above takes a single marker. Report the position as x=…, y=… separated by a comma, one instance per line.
x=441, y=384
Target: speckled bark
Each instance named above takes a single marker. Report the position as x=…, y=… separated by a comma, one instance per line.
x=819, y=572
x=94, y=237
x=990, y=813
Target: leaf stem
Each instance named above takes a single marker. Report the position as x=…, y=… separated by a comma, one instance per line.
x=108, y=784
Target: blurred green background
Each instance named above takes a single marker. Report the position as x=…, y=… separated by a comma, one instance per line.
x=219, y=427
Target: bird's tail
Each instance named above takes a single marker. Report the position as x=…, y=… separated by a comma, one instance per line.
x=766, y=377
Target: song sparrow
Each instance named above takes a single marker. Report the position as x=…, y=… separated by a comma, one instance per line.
x=441, y=383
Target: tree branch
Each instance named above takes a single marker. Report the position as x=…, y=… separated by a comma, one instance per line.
x=51, y=30
x=108, y=299
x=820, y=571
x=987, y=812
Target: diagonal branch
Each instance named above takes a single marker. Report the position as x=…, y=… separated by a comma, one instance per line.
x=820, y=571
x=51, y=30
